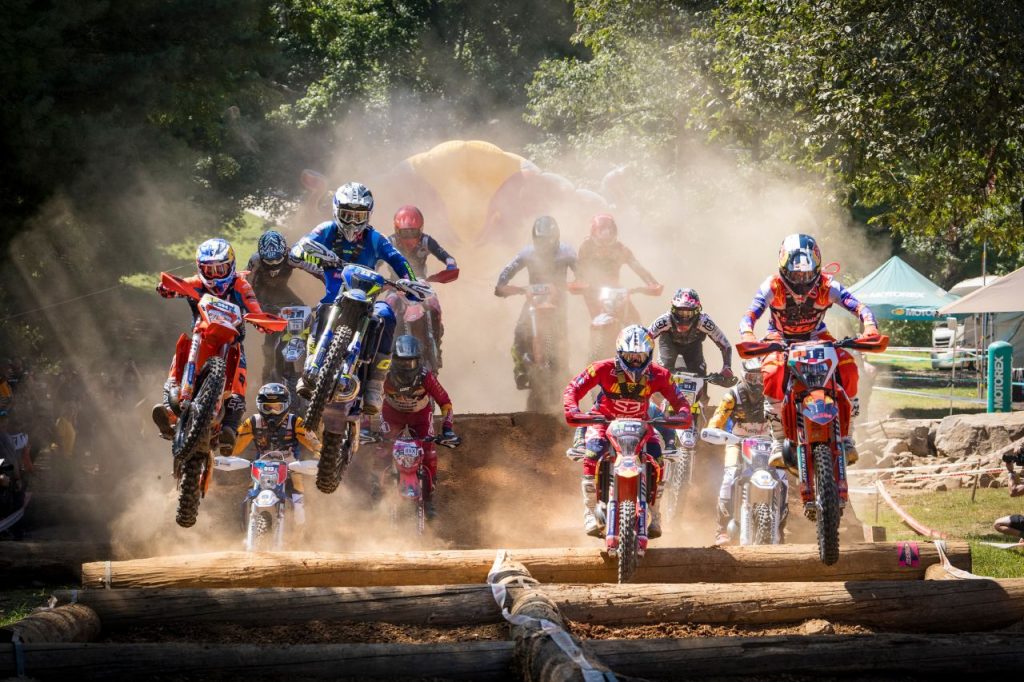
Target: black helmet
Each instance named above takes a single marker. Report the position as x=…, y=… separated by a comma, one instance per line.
x=405, y=362
x=273, y=401
x=545, y=234
x=272, y=249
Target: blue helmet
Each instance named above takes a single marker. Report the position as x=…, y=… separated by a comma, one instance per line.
x=272, y=249
x=215, y=261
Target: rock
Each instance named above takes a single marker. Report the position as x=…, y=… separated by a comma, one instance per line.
x=817, y=627
x=995, y=483
x=938, y=486
x=960, y=435
x=885, y=462
x=915, y=432
x=895, y=446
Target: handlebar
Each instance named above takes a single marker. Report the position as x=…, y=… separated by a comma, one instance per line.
x=597, y=419
x=263, y=321
x=752, y=349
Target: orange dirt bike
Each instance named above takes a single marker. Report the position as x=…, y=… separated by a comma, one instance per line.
x=606, y=325
x=625, y=476
x=810, y=417
x=417, y=318
x=208, y=362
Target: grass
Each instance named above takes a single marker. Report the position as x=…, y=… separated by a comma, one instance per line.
x=953, y=512
x=16, y=604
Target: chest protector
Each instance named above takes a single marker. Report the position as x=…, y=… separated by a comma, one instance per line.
x=269, y=438
x=412, y=398
x=799, y=319
x=748, y=415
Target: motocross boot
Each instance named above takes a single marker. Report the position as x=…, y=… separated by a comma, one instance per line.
x=851, y=450
x=772, y=409
x=654, y=527
x=299, y=507
x=234, y=410
x=722, y=531
x=164, y=420
x=578, y=448
x=519, y=370
x=591, y=523
x=373, y=394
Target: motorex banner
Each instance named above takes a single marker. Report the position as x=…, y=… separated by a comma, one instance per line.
x=1000, y=390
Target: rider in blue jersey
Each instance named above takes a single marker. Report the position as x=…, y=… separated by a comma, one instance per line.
x=350, y=238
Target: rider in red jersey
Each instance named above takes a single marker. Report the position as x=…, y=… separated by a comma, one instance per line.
x=627, y=383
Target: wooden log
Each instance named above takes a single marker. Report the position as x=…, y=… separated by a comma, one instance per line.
x=544, y=651
x=975, y=656
x=174, y=660
x=859, y=561
x=910, y=606
x=67, y=623
x=60, y=562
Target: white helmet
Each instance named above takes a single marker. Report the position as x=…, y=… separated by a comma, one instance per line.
x=353, y=204
x=634, y=350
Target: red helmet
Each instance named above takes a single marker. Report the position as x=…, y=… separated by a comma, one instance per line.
x=603, y=229
x=409, y=226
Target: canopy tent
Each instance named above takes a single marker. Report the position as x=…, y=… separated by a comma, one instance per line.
x=1004, y=295
x=896, y=291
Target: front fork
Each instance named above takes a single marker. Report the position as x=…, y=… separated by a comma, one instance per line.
x=807, y=491
x=612, y=513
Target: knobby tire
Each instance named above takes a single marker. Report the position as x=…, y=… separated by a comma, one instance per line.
x=325, y=379
x=334, y=458
x=188, y=492
x=627, y=540
x=827, y=493
x=196, y=420
x=763, y=522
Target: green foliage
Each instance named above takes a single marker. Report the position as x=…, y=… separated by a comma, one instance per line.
x=907, y=332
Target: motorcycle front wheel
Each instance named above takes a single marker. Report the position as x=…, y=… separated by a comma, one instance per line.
x=627, y=540
x=827, y=495
x=196, y=419
x=763, y=523
x=335, y=455
x=258, y=536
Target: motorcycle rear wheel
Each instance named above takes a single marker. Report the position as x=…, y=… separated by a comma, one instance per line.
x=627, y=541
x=827, y=495
x=335, y=455
x=680, y=474
x=188, y=492
x=325, y=379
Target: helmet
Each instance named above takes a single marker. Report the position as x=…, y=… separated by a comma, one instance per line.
x=634, y=350
x=353, y=204
x=215, y=261
x=685, y=309
x=752, y=375
x=409, y=226
x=272, y=249
x=800, y=263
x=603, y=229
x=272, y=401
x=545, y=234
x=405, y=363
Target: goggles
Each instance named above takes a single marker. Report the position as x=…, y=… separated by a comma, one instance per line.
x=409, y=233
x=406, y=363
x=685, y=313
x=634, y=358
x=273, y=262
x=215, y=270
x=273, y=407
x=352, y=216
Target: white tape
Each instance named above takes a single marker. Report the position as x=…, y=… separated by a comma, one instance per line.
x=106, y=574
x=552, y=630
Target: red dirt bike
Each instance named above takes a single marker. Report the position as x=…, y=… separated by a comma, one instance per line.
x=417, y=319
x=624, y=476
x=208, y=362
x=606, y=325
x=810, y=417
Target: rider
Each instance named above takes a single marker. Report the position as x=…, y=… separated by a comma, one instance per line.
x=215, y=263
x=269, y=272
x=601, y=257
x=275, y=428
x=350, y=238
x=416, y=245
x=546, y=262
x=410, y=393
x=798, y=297
x=627, y=383
x=681, y=333
x=741, y=412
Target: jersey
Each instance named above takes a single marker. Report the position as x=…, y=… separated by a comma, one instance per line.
x=694, y=336
x=422, y=394
x=541, y=269
x=289, y=434
x=271, y=287
x=741, y=412
x=619, y=397
x=417, y=257
x=801, y=317
x=371, y=248
x=600, y=265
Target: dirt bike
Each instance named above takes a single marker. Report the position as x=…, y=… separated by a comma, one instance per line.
x=759, y=492
x=626, y=476
x=411, y=478
x=208, y=361
x=290, y=353
x=810, y=417
x=606, y=325
x=544, y=361
x=263, y=508
x=417, y=318
x=346, y=346
x=679, y=470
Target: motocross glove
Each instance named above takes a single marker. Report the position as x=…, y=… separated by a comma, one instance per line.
x=727, y=372
x=748, y=337
x=449, y=438
x=870, y=332
x=164, y=291
x=450, y=264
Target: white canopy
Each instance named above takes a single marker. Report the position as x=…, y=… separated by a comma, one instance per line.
x=1005, y=295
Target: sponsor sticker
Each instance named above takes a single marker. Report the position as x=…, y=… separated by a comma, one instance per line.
x=909, y=554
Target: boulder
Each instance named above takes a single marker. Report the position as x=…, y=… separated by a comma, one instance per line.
x=960, y=435
x=896, y=446
x=915, y=432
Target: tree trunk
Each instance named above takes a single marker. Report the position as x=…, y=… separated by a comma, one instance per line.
x=974, y=656
x=913, y=606
x=860, y=561
x=48, y=562
x=68, y=623
x=176, y=660
x=544, y=651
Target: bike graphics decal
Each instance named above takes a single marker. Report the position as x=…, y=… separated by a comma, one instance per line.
x=909, y=554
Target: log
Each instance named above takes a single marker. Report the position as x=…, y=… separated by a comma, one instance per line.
x=177, y=660
x=67, y=623
x=24, y=563
x=781, y=563
x=544, y=651
x=909, y=606
x=975, y=656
